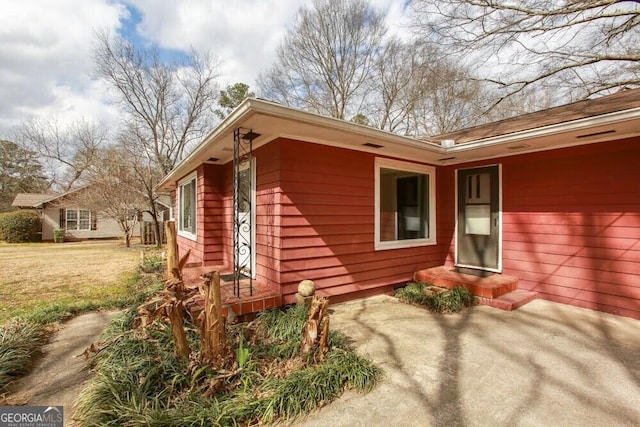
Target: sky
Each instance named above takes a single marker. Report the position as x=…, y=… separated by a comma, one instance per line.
x=46, y=46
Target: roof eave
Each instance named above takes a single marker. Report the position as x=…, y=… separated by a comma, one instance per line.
x=252, y=106
x=556, y=129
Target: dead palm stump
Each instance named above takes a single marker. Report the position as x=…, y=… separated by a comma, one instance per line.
x=315, y=333
x=214, y=339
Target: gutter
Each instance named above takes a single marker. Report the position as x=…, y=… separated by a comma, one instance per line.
x=252, y=106
x=575, y=125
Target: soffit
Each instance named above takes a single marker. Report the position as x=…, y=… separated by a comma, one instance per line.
x=274, y=121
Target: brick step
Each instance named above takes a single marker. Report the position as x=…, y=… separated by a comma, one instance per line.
x=510, y=300
x=241, y=308
x=492, y=286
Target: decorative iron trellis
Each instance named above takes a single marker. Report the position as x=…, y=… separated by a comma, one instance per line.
x=242, y=208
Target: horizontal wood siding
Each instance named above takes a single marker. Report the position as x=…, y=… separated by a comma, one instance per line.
x=210, y=213
x=267, y=210
x=208, y=248
x=571, y=225
x=195, y=256
x=325, y=216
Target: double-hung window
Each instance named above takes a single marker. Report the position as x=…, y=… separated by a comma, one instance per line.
x=188, y=206
x=405, y=204
x=78, y=219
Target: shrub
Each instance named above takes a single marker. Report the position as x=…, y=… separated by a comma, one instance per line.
x=449, y=301
x=153, y=264
x=19, y=341
x=20, y=226
x=139, y=380
x=58, y=235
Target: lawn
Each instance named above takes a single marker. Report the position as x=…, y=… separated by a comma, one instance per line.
x=34, y=275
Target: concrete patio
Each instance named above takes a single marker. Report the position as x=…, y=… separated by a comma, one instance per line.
x=543, y=364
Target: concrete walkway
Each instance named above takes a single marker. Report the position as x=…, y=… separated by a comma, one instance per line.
x=543, y=364
x=58, y=376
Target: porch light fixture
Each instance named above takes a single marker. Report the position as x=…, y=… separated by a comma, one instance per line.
x=249, y=136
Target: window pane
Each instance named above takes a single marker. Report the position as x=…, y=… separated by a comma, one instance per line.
x=477, y=219
x=404, y=205
x=188, y=206
x=85, y=220
x=72, y=219
x=192, y=213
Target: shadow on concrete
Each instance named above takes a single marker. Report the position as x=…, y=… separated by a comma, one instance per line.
x=545, y=363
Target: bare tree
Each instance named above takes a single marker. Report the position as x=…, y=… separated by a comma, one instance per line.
x=418, y=91
x=579, y=48
x=399, y=84
x=114, y=190
x=324, y=62
x=167, y=107
x=170, y=104
x=67, y=151
x=451, y=99
x=144, y=167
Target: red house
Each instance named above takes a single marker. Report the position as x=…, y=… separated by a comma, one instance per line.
x=548, y=203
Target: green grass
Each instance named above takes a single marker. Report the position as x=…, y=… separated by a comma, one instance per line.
x=450, y=301
x=22, y=337
x=140, y=382
x=37, y=275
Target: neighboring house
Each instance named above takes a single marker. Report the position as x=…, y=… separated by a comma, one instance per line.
x=63, y=211
x=552, y=198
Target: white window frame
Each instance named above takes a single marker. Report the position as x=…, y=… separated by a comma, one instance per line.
x=77, y=219
x=382, y=163
x=189, y=234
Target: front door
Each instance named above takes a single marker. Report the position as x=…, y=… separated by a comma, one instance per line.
x=478, y=230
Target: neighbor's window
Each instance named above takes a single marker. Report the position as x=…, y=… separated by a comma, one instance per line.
x=78, y=219
x=187, y=219
x=405, y=204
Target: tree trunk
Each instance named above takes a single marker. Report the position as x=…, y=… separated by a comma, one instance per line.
x=156, y=230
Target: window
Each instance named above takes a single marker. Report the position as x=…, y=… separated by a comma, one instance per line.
x=79, y=219
x=187, y=216
x=405, y=204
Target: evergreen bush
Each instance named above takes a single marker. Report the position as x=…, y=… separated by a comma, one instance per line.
x=20, y=226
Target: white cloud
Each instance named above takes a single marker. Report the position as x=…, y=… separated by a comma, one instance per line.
x=45, y=46
x=243, y=34
x=45, y=56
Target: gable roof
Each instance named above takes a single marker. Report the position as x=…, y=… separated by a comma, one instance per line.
x=603, y=119
x=29, y=200
x=33, y=200
x=620, y=101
